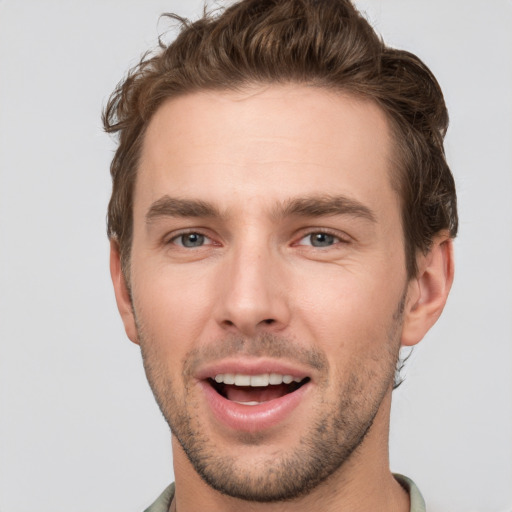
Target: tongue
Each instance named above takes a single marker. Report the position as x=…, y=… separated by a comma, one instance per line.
x=255, y=394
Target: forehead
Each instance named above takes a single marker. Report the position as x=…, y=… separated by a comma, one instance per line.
x=267, y=142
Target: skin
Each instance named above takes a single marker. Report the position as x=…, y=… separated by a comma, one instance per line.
x=259, y=286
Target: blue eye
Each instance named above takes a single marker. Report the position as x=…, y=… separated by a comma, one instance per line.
x=319, y=239
x=190, y=240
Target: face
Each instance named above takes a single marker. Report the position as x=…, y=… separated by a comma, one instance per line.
x=268, y=281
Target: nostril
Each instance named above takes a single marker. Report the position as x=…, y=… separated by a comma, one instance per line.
x=229, y=324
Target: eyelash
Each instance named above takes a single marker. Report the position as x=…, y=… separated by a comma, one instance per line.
x=338, y=239
x=181, y=234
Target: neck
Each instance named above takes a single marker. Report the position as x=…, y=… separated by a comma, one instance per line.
x=363, y=483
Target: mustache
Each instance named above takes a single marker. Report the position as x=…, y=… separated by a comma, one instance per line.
x=262, y=345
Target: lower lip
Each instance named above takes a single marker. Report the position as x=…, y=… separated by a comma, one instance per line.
x=252, y=418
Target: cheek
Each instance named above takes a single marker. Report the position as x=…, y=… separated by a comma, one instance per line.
x=349, y=311
x=172, y=307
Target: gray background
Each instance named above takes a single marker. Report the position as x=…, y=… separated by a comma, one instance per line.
x=79, y=429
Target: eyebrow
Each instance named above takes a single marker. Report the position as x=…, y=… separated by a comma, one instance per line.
x=324, y=205
x=310, y=206
x=168, y=206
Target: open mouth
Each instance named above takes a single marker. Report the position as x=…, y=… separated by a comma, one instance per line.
x=255, y=389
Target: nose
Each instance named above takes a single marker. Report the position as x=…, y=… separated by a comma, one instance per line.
x=252, y=292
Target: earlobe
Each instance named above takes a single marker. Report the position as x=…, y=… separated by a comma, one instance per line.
x=123, y=299
x=428, y=291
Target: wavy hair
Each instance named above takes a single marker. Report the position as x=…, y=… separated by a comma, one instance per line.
x=325, y=43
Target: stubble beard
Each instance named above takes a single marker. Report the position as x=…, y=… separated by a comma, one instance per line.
x=337, y=431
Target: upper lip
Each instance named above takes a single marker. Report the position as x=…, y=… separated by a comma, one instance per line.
x=251, y=366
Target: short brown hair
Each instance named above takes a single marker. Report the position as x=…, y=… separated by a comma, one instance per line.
x=324, y=43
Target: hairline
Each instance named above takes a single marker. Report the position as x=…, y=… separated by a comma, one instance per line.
x=396, y=157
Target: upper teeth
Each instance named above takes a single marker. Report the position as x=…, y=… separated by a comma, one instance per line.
x=255, y=380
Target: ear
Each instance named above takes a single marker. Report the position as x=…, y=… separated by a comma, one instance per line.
x=428, y=291
x=124, y=302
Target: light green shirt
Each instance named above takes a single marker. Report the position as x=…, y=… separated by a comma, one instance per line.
x=163, y=502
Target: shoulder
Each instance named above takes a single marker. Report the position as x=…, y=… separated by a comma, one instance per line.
x=163, y=502
x=417, y=501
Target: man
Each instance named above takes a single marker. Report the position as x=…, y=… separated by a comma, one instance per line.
x=281, y=223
